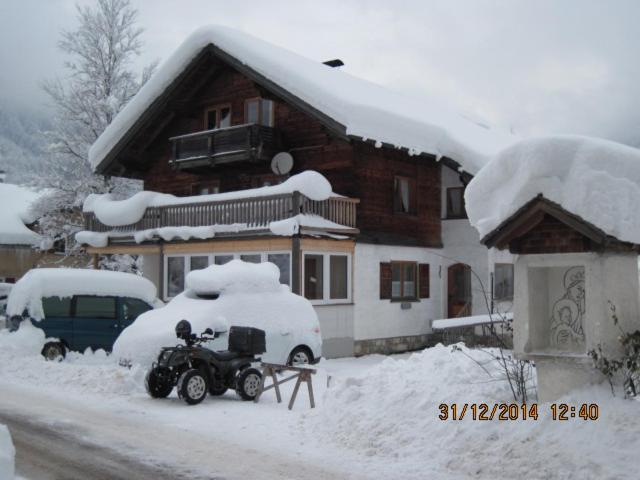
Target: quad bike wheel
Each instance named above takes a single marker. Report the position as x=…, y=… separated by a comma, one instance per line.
x=192, y=386
x=54, y=351
x=157, y=382
x=248, y=383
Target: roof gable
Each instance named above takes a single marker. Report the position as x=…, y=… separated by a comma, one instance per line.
x=348, y=105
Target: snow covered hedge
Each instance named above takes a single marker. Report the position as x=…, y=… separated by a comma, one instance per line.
x=595, y=179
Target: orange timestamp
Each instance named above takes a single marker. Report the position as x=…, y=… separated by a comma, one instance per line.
x=514, y=411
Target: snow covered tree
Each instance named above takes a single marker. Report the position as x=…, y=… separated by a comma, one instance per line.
x=99, y=84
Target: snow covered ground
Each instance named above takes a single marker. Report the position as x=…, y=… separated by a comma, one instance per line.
x=377, y=419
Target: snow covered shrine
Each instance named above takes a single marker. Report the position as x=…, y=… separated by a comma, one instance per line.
x=568, y=207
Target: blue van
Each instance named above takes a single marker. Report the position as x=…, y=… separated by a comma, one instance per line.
x=79, y=308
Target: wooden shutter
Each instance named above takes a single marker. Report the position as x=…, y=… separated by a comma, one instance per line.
x=423, y=280
x=385, y=281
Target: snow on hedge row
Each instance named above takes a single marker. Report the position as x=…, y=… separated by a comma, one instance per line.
x=391, y=414
x=125, y=212
x=365, y=109
x=595, y=179
x=15, y=203
x=38, y=283
x=7, y=454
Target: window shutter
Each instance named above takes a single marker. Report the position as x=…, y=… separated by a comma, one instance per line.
x=423, y=274
x=385, y=281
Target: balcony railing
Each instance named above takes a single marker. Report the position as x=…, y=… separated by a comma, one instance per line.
x=249, y=142
x=254, y=213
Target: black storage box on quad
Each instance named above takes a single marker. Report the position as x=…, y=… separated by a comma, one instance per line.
x=247, y=340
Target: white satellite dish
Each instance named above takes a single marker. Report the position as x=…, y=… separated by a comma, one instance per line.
x=282, y=163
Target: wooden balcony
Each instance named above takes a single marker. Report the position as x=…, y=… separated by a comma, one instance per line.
x=253, y=214
x=240, y=143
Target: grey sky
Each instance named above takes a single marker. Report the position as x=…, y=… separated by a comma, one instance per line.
x=533, y=66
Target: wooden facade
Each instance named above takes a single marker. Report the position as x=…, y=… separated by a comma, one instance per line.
x=355, y=168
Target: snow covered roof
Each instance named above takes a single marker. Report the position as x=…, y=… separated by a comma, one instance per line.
x=360, y=108
x=15, y=203
x=38, y=283
x=596, y=180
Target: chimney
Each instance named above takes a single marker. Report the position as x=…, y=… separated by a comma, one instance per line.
x=3, y=176
x=336, y=62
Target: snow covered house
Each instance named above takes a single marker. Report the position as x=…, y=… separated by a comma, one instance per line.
x=239, y=138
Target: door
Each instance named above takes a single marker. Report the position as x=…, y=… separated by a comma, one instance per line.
x=132, y=308
x=459, y=291
x=57, y=321
x=95, y=323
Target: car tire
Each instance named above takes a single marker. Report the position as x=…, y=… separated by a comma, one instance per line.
x=300, y=356
x=248, y=383
x=157, y=383
x=54, y=351
x=192, y=386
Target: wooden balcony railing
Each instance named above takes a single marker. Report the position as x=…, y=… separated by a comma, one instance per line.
x=255, y=213
x=249, y=142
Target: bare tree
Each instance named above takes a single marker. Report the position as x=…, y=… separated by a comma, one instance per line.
x=99, y=84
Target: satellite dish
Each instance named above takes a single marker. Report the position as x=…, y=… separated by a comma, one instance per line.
x=282, y=163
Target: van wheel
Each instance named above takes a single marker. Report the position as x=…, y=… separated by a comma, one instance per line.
x=54, y=351
x=157, y=382
x=248, y=383
x=300, y=356
x=192, y=386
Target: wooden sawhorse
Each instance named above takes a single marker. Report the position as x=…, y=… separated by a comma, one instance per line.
x=303, y=374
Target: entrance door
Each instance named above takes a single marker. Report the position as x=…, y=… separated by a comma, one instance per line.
x=459, y=290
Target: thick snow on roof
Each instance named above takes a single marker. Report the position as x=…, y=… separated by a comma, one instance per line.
x=15, y=203
x=125, y=212
x=28, y=292
x=595, y=179
x=365, y=109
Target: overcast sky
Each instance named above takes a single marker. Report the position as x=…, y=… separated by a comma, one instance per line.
x=532, y=66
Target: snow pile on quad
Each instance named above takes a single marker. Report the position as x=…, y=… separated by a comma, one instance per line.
x=7, y=454
x=595, y=179
x=390, y=413
x=249, y=295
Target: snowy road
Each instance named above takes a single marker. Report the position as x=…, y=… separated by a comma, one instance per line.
x=44, y=452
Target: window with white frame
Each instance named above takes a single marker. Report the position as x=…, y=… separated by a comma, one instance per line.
x=327, y=277
x=503, y=281
x=179, y=265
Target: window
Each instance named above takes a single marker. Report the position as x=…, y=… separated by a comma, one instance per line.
x=95, y=307
x=198, y=262
x=503, y=281
x=455, y=203
x=175, y=276
x=251, y=258
x=56, y=307
x=403, y=280
x=218, y=117
x=133, y=308
x=259, y=111
x=205, y=188
x=404, y=195
x=283, y=262
x=222, y=259
x=327, y=277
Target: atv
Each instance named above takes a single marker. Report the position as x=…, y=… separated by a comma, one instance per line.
x=195, y=369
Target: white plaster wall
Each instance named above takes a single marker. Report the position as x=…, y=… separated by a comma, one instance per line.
x=151, y=269
x=376, y=318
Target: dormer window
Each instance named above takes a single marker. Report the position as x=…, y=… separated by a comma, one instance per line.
x=259, y=111
x=217, y=117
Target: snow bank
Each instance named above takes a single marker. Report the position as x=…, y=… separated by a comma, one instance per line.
x=595, y=179
x=125, y=212
x=470, y=321
x=390, y=415
x=366, y=110
x=250, y=295
x=27, y=341
x=7, y=454
x=15, y=204
x=28, y=292
x=291, y=226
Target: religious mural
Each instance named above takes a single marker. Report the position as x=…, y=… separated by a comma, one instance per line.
x=568, y=312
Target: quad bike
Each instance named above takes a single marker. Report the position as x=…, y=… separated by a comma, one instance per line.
x=195, y=370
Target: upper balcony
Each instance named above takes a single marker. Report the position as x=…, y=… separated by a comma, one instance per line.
x=239, y=143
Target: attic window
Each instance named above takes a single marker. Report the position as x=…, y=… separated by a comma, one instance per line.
x=404, y=195
x=217, y=117
x=259, y=111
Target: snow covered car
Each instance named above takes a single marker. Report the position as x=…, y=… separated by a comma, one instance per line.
x=79, y=308
x=220, y=296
